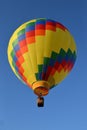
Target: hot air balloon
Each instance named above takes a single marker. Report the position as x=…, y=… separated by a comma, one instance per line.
x=41, y=53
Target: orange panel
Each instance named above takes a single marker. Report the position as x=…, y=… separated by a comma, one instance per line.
x=21, y=59
x=30, y=40
x=40, y=32
x=24, y=49
x=21, y=70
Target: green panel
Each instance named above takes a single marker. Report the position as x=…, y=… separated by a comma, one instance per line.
x=30, y=24
x=54, y=55
x=69, y=52
x=62, y=53
x=74, y=55
x=36, y=75
x=15, y=43
x=13, y=64
x=40, y=67
x=21, y=32
x=46, y=61
x=12, y=54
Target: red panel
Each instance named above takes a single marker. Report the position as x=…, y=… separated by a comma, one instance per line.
x=43, y=75
x=53, y=71
x=21, y=70
x=40, y=27
x=21, y=59
x=69, y=62
x=30, y=33
x=22, y=43
x=64, y=63
x=24, y=78
x=28, y=84
x=18, y=53
x=70, y=67
x=49, y=69
x=66, y=67
x=51, y=23
x=48, y=72
x=50, y=27
x=58, y=25
x=18, y=64
x=56, y=65
x=60, y=68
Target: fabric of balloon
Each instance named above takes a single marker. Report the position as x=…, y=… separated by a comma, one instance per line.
x=42, y=51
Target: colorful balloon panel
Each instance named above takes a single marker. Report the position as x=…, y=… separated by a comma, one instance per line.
x=42, y=50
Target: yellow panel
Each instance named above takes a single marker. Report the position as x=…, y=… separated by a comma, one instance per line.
x=59, y=76
x=62, y=40
x=28, y=71
x=51, y=81
x=49, y=42
x=27, y=63
x=33, y=57
x=54, y=41
x=13, y=38
x=30, y=78
x=39, y=49
x=73, y=45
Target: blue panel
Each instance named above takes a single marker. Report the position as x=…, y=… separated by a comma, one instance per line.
x=41, y=21
x=73, y=59
x=14, y=58
x=30, y=28
x=21, y=37
x=52, y=61
x=15, y=43
x=67, y=57
x=40, y=75
x=16, y=48
x=49, y=20
x=53, y=23
x=70, y=57
x=45, y=68
x=59, y=58
x=16, y=68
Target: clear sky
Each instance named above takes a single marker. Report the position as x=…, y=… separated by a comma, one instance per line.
x=66, y=105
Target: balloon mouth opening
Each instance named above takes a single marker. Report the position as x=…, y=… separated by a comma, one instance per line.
x=41, y=91
x=41, y=88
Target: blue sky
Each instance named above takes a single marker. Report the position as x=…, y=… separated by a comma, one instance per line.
x=66, y=105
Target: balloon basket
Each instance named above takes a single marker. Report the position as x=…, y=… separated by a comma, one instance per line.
x=40, y=102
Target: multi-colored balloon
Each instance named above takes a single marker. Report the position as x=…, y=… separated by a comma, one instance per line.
x=41, y=52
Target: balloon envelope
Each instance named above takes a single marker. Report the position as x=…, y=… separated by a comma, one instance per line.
x=41, y=53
